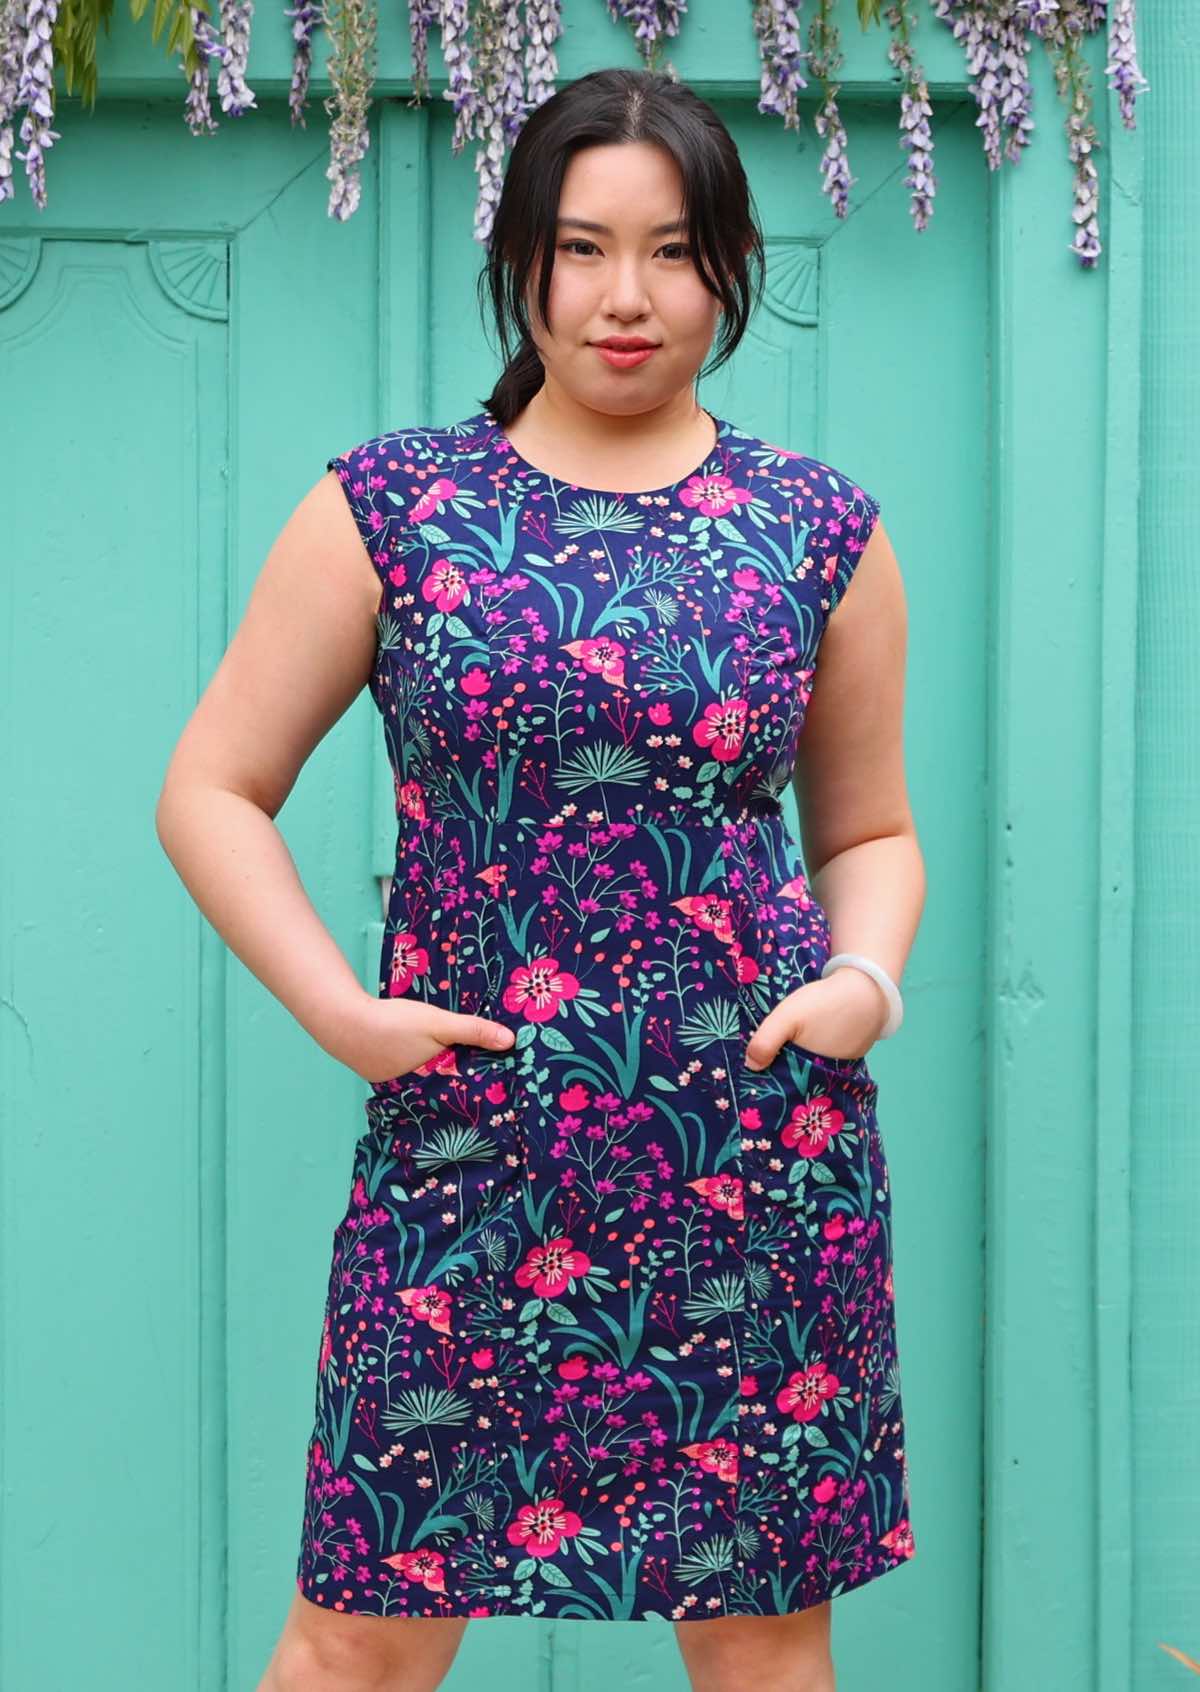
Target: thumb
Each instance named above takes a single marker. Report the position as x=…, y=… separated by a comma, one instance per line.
x=764, y=1044
x=479, y=1031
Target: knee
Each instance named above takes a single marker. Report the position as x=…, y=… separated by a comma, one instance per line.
x=321, y=1656
x=788, y=1653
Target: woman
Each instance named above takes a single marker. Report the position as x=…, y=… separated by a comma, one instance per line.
x=609, y=1331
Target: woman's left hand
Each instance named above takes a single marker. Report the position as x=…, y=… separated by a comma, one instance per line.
x=839, y=1016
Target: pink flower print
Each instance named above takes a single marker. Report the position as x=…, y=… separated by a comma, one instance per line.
x=659, y=715
x=722, y=728
x=748, y=579
x=806, y=1392
x=716, y=1456
x=573, y=1368
x=797, y=888
x=492, y=876
x=749, y=1386
x=723, y=1192
x=475, y=681
x=538, y=988
x=812, y=1125
x=445, y=585
x=899, y=1540
x=825, y=1489
x=432, y=500
x=747, y=968
x=713, y=496
x=484, y=1357
x=410, y=801
x=550, y=1268
x=708, y=912
x=423, y=1568
x=429, y=1304
x=603, y=657
x=326, y=1347
x=408, y=961
x=444, y=1062
x=575, y=1097
x=541, y=1528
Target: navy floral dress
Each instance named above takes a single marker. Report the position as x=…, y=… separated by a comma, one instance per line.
x=610, y=1326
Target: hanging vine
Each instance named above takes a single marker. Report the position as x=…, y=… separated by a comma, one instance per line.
x=501, y=64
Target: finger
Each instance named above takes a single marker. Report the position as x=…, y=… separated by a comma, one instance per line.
x=479, y=1031
x=764, y=1044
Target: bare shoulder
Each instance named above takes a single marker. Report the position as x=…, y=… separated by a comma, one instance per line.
x=301, y=653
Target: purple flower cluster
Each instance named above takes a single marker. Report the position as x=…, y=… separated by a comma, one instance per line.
x=997, y=47
x=777, y=29
x=352, y=25
x=231, y=50
x=422, y=14
x=305, y=15
x=197, y=111
x=825, y=57
x=500, y=67
x=916, y=109
x=652, y=21
x=1125, y=77
x=27, y=79
x=12, y=33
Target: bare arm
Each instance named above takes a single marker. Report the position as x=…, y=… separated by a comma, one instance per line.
x=856, y=824
x=300, y=656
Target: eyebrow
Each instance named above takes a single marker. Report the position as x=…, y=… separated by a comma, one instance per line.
x=603, y=229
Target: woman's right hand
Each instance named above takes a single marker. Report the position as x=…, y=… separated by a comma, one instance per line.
x=389, y=1037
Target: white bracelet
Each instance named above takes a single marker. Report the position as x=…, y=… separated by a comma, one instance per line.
x=877, y=973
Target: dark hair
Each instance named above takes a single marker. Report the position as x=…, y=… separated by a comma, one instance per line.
x=606, y=106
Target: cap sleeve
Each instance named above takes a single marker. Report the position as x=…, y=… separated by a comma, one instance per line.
x=362, y=473
x=848, y=522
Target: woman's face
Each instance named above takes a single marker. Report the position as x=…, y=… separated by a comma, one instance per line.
x=634, y=276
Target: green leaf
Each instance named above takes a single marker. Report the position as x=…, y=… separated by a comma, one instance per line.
x=559, y=1312
x=551, y=1573
x=525, y=1568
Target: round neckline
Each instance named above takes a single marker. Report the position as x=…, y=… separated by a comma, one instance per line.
x=501, y=440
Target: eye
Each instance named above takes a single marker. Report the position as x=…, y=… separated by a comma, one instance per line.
x=677, y=246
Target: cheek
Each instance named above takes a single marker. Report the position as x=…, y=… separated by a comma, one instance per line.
x=570, y=308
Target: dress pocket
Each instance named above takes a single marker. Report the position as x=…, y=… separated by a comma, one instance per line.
x=845, y=1069
x=806, y=1125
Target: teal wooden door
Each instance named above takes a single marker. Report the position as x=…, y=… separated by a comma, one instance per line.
x=176, y=1150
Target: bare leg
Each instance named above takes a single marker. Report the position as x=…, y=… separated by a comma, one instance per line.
x=323, y=1650
x=770, y=1653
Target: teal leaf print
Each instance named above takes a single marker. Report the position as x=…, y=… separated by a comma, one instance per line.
x=602, y=765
